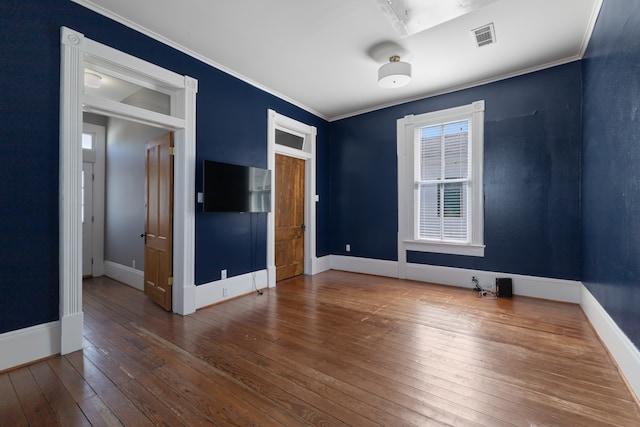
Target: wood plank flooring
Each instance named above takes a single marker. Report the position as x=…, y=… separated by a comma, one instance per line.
x=336, y=349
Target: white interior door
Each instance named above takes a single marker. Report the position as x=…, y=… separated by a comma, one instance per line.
x=87, y=219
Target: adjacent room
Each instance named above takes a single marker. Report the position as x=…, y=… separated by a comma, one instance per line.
x=369, y=212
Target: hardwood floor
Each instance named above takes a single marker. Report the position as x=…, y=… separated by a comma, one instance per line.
x=333, y=349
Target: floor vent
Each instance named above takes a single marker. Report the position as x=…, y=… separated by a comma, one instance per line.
x=484, y=35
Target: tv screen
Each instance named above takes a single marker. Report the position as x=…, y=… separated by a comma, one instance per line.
x=235, y=188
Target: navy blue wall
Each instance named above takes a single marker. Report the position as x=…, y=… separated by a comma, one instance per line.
x=611, y=164
x=531, y=177
x=231, y=126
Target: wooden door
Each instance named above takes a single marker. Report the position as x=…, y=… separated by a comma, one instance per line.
x=158, y=247
x=289, y=218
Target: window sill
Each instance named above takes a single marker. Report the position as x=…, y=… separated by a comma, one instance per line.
x=444, y=248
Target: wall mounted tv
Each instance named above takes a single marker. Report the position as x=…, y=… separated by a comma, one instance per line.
x=235, y=188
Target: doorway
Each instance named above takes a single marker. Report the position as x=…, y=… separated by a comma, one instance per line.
x=293, y=139
x=77, y=54
x=123, y=209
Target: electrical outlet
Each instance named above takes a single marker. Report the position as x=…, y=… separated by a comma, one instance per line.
x=225, y=292
x=223, y=274
x=133, y=263
x=348, y=247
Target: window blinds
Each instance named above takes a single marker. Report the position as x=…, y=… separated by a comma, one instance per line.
x=442, y=178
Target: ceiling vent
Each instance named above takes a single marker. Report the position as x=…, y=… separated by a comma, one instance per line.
x=484, y=35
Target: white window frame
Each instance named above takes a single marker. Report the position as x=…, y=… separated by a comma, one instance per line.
x=406, y=128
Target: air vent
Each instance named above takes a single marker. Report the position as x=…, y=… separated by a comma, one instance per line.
x=484, y=35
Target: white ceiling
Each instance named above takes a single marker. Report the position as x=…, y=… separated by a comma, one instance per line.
x=315, y=53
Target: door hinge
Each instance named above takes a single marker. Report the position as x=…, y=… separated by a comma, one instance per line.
x=170, y=281
x=91, y=261
x=172, y=151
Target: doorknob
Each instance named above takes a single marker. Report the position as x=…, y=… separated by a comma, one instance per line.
x=303, y=227
x=142, y=235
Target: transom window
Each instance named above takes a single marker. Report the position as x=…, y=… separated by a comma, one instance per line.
x=440, y=181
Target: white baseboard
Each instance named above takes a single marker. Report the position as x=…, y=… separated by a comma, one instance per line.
x=624, y=352
x=127, y=275
x=29, y=344
x=321, y=264
x=220, y=290
x=376, y=267
x=184, y=302
x=271, y=276
x=71, y=333
x=530, y=286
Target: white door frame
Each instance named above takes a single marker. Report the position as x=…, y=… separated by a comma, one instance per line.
x=74, y=48
x=308, y=154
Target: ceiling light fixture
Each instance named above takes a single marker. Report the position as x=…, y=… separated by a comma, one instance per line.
x=92, y=80
x=394, y=73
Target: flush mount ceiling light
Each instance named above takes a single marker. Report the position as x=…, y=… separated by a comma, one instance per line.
x=394, y=73
x=92, y=80
x=409, y=17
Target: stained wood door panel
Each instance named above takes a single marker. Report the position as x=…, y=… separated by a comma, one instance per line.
x=335, y=349
x=158, y=250
x=289, y=217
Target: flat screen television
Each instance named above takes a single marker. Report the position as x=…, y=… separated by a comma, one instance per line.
x=235, y=188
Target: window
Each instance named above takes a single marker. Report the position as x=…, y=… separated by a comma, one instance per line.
x=440, y=181
x=289, y=140
x=87, y=141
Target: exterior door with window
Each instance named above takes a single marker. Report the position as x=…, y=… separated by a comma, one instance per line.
x=87, y=219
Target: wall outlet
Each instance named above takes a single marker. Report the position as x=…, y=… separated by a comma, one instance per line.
x=225, y=292
x=348, y=247
x=223, y=274
x=133, y=263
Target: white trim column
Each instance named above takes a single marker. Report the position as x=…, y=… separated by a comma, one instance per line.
x=71, y=75
x=184, y=220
